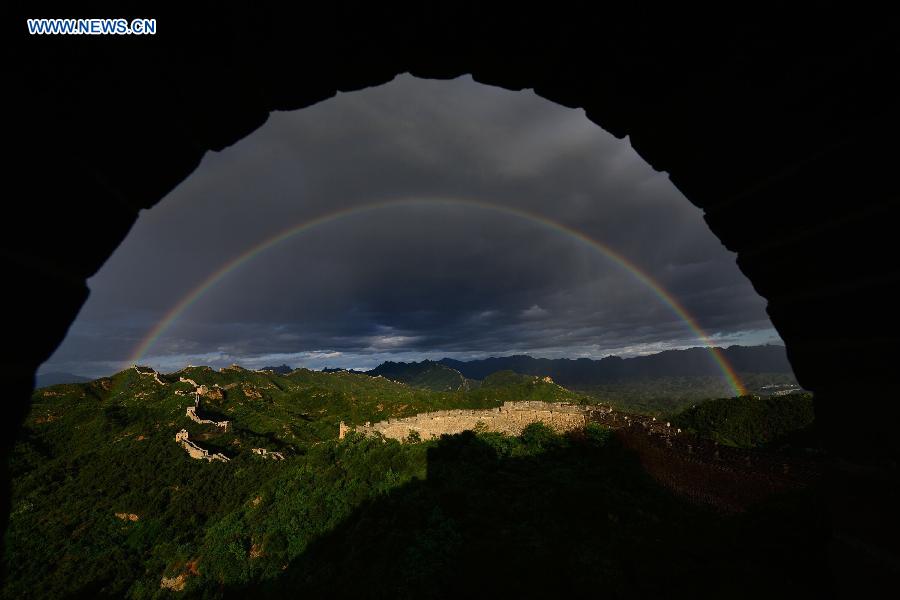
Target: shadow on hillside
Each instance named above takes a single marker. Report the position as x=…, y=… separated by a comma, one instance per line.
x=580, y=519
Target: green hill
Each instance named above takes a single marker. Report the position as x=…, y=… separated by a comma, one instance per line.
x=656, y=385
x=749, y=422
x=426, y=375
x=93, y=450
x=105, y=503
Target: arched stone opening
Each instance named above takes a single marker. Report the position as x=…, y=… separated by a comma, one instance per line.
x=777, y=136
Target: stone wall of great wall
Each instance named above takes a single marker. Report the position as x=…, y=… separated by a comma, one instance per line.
x=215, y=392
x=265, y=453
x=511, y=418
x=191, y=413
x=182, y=437
x=195, y=451
x=729, y=479
x=703, y=471
x=148, y=372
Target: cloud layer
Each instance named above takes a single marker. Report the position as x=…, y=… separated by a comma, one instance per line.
x=414, y=281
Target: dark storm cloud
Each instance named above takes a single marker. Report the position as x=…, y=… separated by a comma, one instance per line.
x=423, y=280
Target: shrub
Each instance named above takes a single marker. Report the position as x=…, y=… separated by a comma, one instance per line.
x=537, y=436
x=597, y=434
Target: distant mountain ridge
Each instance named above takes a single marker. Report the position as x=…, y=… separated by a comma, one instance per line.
x=282, y=370
x=586, y=372
x=48, y=379
x=426, y=374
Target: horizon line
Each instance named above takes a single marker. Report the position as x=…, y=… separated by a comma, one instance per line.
x=363, y=370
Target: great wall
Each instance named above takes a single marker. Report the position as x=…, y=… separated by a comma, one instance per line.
x=182, y=437
x=268, y=453
x=510, y=418
x=151, y=373
x=191, y=413
x=195, y=451
x=727, y=478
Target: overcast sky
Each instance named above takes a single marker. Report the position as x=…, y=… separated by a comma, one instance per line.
x=416, y=280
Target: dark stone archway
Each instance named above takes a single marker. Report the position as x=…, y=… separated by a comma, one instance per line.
x=783, y=133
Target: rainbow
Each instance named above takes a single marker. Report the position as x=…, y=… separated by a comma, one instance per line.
x=235, y=263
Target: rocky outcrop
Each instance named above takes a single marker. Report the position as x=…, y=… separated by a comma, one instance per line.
x=250, y=391
x=127, y=516
x=176, y=584
x=214, y=393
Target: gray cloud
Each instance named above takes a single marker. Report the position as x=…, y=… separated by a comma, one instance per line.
x=423, y=280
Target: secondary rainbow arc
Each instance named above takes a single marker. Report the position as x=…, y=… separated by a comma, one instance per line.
x=636, y=271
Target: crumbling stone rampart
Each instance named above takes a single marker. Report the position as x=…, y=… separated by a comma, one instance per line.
x=511, y=418
x=148, y=372
x=201, y=390
x=195, y=451
x=191, y=413
x=267, y=454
